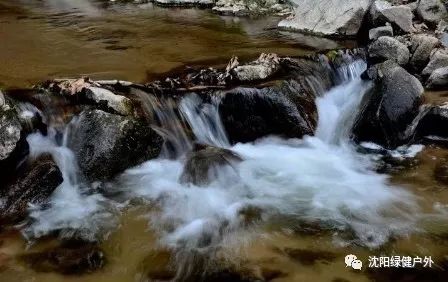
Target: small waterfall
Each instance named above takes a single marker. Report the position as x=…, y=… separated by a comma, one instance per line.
x=204, y=120
x=317, y=179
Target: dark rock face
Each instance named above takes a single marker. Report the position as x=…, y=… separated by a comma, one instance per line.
x=69, y=258
x=249, y=114
x=390, y=107
x=204, y=163
x=106, y=144
x=35, y=185
x=13, y=146
x=432, y=123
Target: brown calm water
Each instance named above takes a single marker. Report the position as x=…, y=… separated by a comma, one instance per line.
x=57, y=38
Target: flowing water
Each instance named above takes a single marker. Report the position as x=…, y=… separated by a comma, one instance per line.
x=291, y=209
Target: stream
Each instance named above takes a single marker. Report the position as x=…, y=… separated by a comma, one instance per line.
x=291, y=209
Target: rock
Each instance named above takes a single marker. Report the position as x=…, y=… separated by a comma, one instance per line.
x=106, y=144
x=335, y=18
x=377, y=32
x=157, y=266
x=68, y=258
x=389, y=107
x=389, y=48
x=2, y=102
x=432, y=123
x=438, y=59
x=438, y=79
x=13, y=145
x=431, y=11
x=382, y=12
x=204, y=163
x=34, y=186
x=92, y=92
x=262, y=68
x=200, y=3
x=245, y=7
x=250, y=113
x=421, y=49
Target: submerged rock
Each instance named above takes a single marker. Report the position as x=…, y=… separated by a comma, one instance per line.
x=34, y=185
x=106, y=144
x=335, y=18
x=205, y=162
x=69, y=258
x=388, y=48
x=390, y=107
x=441, y=172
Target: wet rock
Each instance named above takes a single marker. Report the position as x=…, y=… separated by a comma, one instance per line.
x=377, y=32
x=250, y=113
x=262, y=68
x=390, y=106
x=205, y=162
x=106, y=144
x=34, y=185
x=438, y=59
x=438, y=79
x=432, y=123
x=86, y=90
x=13, y=145
x=31, y=118
x=400, y=17
x=421, y=49
x=69, y=258
x=247, y=7
x=431, y=11
x=337, y=18
x=389, y=48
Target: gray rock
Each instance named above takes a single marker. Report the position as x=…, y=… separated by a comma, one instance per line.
x=184, y=2
x=389, y=48
x=205, y=162
x=432, y=123
x=106, y=144
x=246, y=7
x=421, y=48
x=390, y=107
x=438, y=59
x=10, y=133
x=262, y=68
x=400, y=17
x=2, y=101
x=438, y=79
x=34, y=186
x=377, y=32
x=338, y=18
x=431, y=11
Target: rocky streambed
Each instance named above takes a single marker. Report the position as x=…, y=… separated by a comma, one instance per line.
x=270, y=169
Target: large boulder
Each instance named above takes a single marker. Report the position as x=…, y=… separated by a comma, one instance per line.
x=438, y=79
x=431, y=11
x=106, y=144
x=13, y=145
x=34, y=185
x=335, y=18
x=432, y=123
x=250, y=113
x=204, y=163
x=400, y=17
x=388, y=48
x=390, y=107
x=438, y=59
x=422, y=46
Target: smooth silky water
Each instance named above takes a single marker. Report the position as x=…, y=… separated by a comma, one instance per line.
x=294, y=207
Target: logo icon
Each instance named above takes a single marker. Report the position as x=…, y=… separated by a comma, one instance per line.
x=353, y=261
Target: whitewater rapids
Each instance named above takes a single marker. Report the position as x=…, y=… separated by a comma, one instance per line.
x=319, y=180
